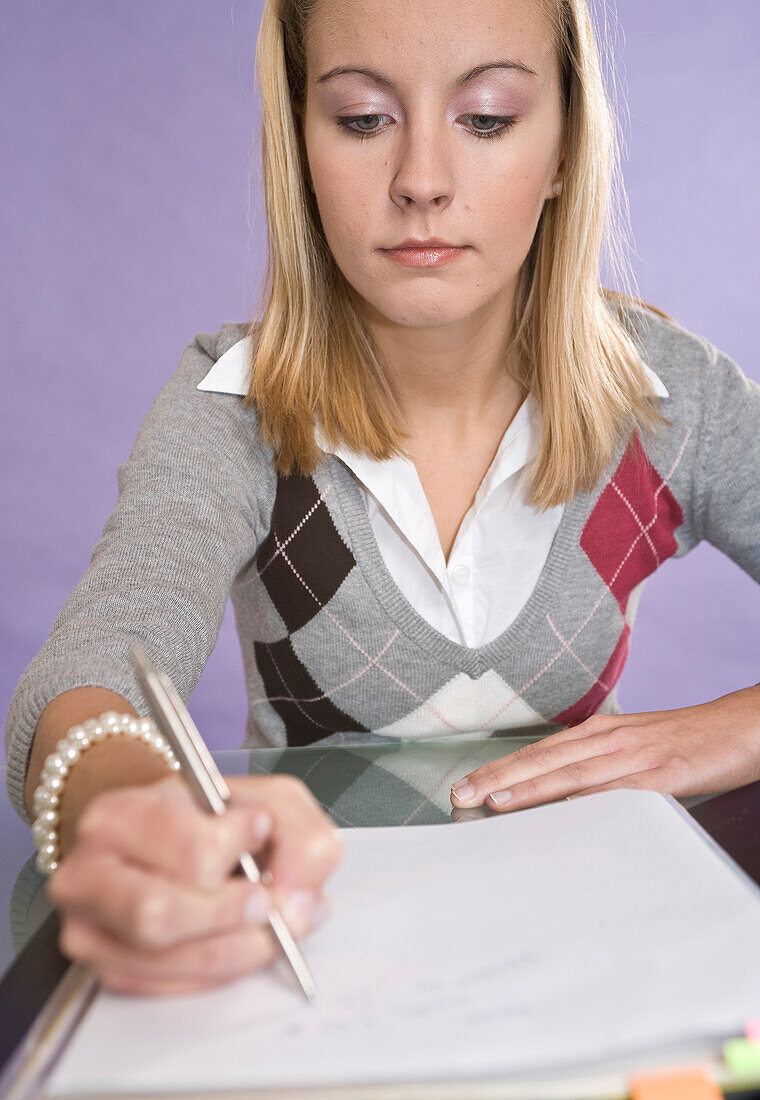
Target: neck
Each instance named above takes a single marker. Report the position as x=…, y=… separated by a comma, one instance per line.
x=449, y=377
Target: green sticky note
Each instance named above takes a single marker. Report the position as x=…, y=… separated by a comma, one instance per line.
x=742, y=1057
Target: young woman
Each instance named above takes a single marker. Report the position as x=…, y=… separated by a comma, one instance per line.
x=433, y=475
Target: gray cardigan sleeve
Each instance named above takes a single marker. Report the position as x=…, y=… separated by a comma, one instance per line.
x=193, y=504
x=727, y=468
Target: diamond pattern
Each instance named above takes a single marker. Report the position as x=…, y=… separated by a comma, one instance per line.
x=464, y=705
x=341, y=646
x=598, y=692
x=636, y=510
x=307, y=712
x=303, y=561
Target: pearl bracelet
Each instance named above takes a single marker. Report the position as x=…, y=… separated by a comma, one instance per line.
x=58, y=765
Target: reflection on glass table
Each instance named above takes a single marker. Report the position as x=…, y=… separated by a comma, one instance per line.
x=359, y=779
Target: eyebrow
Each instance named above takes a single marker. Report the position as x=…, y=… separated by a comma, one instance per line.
x=460, y=81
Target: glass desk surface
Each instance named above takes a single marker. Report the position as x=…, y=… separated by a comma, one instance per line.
x=360, y=780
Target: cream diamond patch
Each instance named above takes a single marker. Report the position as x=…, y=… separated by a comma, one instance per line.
x=464, y=705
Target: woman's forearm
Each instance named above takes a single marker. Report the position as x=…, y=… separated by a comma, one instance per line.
x=117, y=762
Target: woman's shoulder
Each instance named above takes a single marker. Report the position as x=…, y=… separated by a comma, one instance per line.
x=227, y=357
x=688, y=363
x=207, y=352
x=659, y=334
x=216, y=344
x=201, y=405
x=212, y=369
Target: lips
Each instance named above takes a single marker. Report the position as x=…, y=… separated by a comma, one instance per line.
x=425, y=256
x=432, y=242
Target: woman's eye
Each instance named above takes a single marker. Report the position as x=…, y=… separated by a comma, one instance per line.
x=503, y=123
x=347, y=121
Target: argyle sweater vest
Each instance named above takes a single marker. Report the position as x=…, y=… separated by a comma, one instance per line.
x=337, y=647
x=329, y=643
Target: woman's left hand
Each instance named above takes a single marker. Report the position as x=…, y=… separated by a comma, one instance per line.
x=696, y=750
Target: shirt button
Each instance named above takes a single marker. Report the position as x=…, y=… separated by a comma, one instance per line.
x=460, y=574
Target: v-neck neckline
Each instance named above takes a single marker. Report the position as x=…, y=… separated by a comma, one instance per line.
x=473, y=660
x=406, y=503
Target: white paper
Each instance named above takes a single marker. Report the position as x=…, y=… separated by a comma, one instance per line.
x=552, y=938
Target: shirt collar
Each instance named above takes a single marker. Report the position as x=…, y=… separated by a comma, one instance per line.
x=394, y=483
x=230, y=373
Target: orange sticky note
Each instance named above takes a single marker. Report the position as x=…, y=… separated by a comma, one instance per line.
x=682, y=1084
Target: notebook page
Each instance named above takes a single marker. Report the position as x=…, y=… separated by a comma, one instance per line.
x=555, y=937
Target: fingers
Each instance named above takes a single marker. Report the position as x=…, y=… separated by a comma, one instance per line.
x=304, y=847
x=548, y=755
x=146, y=894
x=161, y=827
x=575, y=777
x=149, y=911
x=190, y=965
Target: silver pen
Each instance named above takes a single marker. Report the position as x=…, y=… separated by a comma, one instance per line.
x=199, y=769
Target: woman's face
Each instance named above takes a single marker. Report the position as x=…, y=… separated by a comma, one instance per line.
x=424, y=163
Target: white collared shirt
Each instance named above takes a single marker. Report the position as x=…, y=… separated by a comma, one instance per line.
x=502, y=543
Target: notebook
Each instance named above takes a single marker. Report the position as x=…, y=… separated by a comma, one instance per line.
x=553, y=940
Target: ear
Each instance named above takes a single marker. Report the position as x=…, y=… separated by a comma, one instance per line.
x=558, y=175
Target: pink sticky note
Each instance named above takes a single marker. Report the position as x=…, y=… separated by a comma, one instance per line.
x=752, y=1029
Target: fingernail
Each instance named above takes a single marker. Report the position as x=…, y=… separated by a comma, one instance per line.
x=499, y=797
x=299, y=908
x=261, y=824
x=463, y=790
x=257, y=905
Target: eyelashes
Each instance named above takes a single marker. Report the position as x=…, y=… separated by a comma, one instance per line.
x=506, y=122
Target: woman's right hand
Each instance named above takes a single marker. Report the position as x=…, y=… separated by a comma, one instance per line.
x=146, y=893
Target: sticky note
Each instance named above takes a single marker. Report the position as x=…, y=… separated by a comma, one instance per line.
x=742, y=1057
x=681, y=1084
x=752, y=1029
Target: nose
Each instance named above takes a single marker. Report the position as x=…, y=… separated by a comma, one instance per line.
x=424, y=174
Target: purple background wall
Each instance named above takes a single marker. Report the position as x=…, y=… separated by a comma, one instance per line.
x=129, y=223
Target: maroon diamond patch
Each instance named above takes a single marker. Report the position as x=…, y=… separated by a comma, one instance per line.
x=629, y=533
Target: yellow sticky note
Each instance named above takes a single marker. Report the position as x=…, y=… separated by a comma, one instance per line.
x=681, y=1084
x=742, y=1056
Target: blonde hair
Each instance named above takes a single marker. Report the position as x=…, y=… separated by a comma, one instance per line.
x=313, y=360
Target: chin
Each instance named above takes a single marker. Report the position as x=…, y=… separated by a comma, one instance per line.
x=423, y=310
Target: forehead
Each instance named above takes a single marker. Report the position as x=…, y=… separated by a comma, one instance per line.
x=414, y=39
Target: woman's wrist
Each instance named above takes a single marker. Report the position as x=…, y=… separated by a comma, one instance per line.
x=113, y=750
x=62, y=712
x=117, y=762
